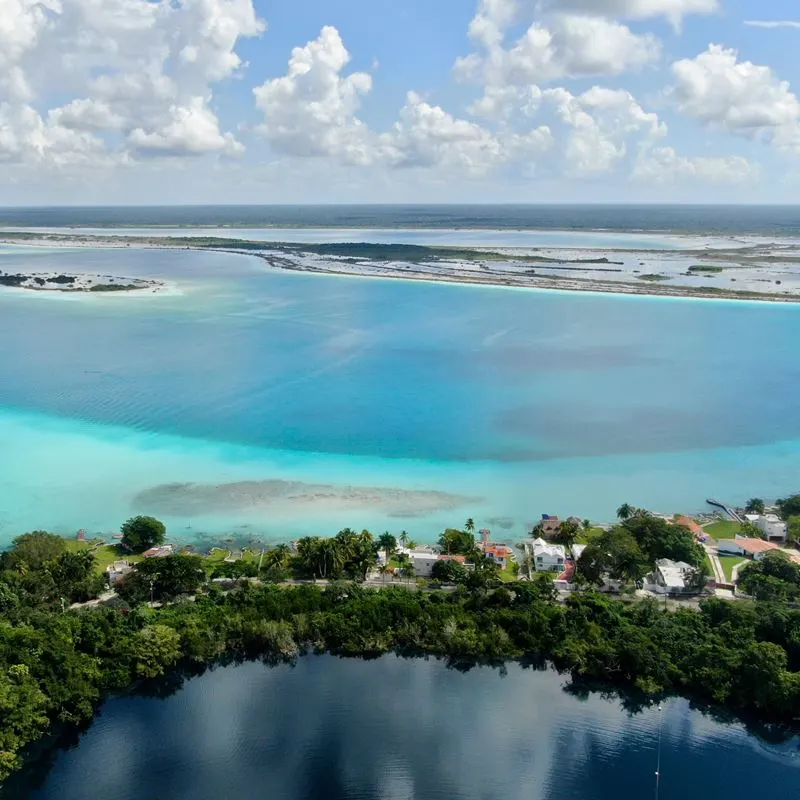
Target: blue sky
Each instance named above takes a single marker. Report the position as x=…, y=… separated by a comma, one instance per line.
x=133, y=101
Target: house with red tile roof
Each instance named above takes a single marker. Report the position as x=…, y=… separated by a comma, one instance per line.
x=742, y=546
x=689, y=523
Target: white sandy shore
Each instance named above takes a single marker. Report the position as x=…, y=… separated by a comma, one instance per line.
x=769, y=271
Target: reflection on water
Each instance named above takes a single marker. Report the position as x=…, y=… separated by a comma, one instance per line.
x=392, y=728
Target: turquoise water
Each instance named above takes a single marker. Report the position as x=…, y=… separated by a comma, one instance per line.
x=384, y=404
x=393, y=729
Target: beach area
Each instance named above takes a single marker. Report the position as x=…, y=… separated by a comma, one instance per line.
x=748, y=268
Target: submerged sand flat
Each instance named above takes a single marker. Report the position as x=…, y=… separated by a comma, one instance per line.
x=179, y=499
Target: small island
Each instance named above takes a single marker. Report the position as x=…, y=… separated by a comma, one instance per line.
x=65, y=282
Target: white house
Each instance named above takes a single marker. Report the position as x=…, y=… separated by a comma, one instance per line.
x=423, y=562
x=749, y=548
x=548, y=557
x=772, y=527
x=672, y=577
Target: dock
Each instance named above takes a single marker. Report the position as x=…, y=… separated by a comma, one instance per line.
x=727, y=509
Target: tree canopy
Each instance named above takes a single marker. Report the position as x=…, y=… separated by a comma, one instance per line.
x=141, y=533
x=789, y=506
x=36, y=548
x=775, y=577
x=755, y=505
x=457, y=543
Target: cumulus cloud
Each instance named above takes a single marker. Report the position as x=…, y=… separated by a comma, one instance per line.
x=602, y=122
x=673, y=10
x=663, y=165
x=556, y=47
x=738, y=96
x=192, y=130
x=427, y=135
x=137, y=70
x=312, y=111
x=567, y=46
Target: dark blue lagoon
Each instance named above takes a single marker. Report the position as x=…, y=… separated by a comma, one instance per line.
x=250, y=401
x=395, y=729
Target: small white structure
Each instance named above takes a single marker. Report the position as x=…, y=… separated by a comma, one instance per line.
x=117, y=571
x=673, y=577
x=423, y=562
x=772, y=527
x=548, y=557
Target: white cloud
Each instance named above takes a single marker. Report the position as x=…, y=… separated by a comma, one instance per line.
x=603, y=122
x=132, y=70
x=663, y=165
x=428, y=136
x=771, y=24
x=673, y=10
x=311, y=111
x=568, y=46
x=25, y=138
x=738, y=96
x=192, y=130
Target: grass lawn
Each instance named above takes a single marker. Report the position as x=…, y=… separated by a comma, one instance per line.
x=709, y=565
x=724, y=529
x=510, y=573
x=104, y=555
x=728, y=563
x=218, y=554
x=587, y=537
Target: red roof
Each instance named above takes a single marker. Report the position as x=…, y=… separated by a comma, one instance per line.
x=755, y=545
x=498, y=550
x=689, y=523
x=460, y=559
x=568, y=572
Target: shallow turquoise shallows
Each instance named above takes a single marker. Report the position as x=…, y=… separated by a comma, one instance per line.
x=492, y=403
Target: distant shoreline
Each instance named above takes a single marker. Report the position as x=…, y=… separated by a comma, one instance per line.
x=288, y=257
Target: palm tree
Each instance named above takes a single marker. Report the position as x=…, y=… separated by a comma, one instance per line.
x=403, y=538
x=278, y=556
x=469, y=525
x=388, y=544
x=755, y=505
x=625, y=511
x=411, y=544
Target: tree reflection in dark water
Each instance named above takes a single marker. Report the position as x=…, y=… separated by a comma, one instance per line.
x=398, y=726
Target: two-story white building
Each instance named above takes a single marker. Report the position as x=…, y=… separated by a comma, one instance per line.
x=772, y=527
x=547, y=557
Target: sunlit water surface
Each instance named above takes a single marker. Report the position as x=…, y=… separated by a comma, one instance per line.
x=383, y=404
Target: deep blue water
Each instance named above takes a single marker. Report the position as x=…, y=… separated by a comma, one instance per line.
x=400, y=730
x=519, y=402
x=770, y=220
